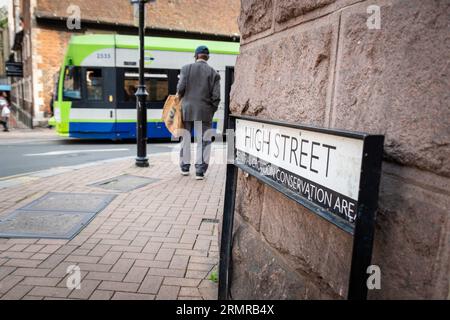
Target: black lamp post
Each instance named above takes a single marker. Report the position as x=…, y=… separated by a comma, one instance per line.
x=141, y=93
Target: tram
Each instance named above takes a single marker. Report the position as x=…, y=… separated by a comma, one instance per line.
x=95, y=91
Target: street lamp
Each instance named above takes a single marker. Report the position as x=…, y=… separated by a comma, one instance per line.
x=141, y=93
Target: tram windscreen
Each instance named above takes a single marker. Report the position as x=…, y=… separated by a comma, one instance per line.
x=72, y=83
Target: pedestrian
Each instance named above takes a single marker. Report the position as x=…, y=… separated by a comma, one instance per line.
x=5, y=111
x=3, y=99
x=199, y=88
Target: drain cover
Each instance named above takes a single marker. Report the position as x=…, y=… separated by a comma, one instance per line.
x=78, y=202
x=43, y=219
x=206, y=220
x=125, y=183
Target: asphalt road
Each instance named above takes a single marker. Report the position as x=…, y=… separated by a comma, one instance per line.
x=20, y=157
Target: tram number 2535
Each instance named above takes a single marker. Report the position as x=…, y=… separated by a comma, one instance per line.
x=103, y=56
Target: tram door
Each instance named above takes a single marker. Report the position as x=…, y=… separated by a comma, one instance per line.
x=99, y=93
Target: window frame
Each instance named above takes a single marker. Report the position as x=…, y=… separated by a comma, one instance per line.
x=172, y=83
x=80, y=79
x=103, y=85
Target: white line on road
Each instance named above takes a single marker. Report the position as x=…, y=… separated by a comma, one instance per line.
x=58, y=153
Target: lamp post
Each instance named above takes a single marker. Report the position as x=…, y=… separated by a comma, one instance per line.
x=141, y=93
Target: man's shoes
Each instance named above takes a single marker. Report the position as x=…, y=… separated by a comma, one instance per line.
x=184, y=172
x=199, y=176
x=5, y=130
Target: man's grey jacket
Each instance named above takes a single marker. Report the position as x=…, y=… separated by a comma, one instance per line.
x=199, y=86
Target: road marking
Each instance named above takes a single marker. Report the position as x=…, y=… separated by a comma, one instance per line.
x=58, y=153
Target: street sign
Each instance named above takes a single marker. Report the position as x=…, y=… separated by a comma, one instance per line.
x=14, y=69
x=333, y=173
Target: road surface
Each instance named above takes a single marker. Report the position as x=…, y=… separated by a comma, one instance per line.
x=20, y=154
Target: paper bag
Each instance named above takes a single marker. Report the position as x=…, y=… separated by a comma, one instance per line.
x=172, y=115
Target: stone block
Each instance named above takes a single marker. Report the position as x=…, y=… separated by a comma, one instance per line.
x=256, y=16
x=395, y=81
x=411, y=237
x=288, y=9
x=258, y=272
x=311, y=244
x=249, y=199
x=286, y=77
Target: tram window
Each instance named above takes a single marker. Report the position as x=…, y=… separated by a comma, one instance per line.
x=72, y=83
x=94, y=84
x=157, y=85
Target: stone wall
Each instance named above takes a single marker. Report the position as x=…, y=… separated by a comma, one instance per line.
x=317, y=62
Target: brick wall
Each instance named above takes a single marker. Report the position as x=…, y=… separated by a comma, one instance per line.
x=318, y=63
x=49, y=49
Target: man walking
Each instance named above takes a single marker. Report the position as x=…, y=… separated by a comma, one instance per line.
x=199, y=86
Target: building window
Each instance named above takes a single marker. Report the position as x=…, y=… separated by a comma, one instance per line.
x=94, y=84
x=72, y=83
x=26, y=46
x=157, y=85
x=27, y=90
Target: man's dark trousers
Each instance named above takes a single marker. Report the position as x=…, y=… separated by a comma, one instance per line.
x=202, y=136
x=4, y=122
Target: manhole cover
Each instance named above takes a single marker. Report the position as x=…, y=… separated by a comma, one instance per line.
x=43, y=219
x=125, y=183
x=73, y=202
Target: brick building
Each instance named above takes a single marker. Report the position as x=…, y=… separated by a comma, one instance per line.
x=4, y=43
x=41, y=30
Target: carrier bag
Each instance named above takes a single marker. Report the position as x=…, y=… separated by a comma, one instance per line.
x=172, y=115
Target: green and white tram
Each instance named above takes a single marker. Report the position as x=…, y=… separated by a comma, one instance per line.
x=99, y=76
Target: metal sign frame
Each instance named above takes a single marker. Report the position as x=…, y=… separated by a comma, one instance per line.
x=362, y=231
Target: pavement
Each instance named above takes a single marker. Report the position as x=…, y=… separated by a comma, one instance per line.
x=156, y=242
x=14, y=123
x=21, y=135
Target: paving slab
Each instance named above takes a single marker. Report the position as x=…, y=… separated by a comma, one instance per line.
x=143, y=243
